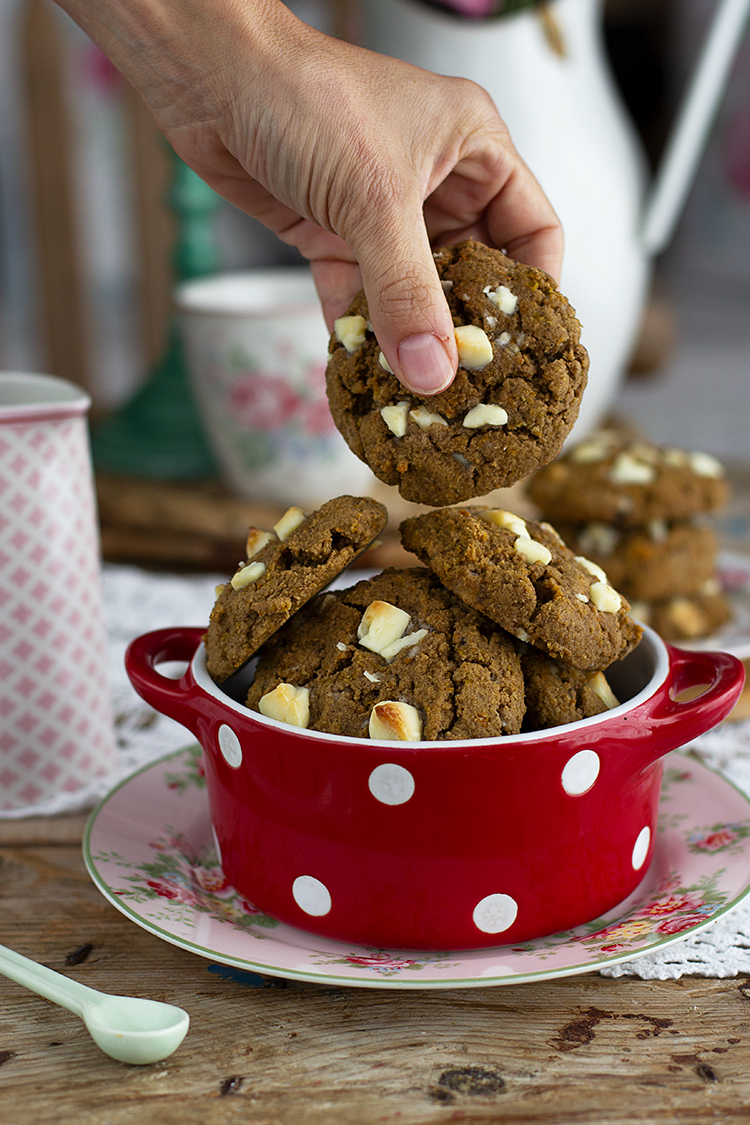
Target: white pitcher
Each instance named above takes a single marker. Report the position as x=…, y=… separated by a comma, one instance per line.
x=567, y=120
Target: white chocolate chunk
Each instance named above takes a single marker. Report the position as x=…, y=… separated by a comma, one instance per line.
x=485, y=414
x=687, y=617
x=447, y=285
x=604, y=597
x=371, y=677
x=627, y=469
x=396, y=417
x=288, y=704
x=598, y=684
x=341, y=646
x=507, y=520
x=552, y=531
x=582, y=598
x=531, y=550
x=642, y=451
x=426, y=418
x=394, y=648
x=385, y=364
x=289, y=522
x=350, y=331
x=522, y=635
x=474, y=346
x=506, y=301
x=256, y=541
x=591, y=567
x=658, y=530
x=594, y=448
x=219, y=590
x=381, y=625
x=247, y=575
x=394, y=720
x=675, y=458
x=704, y=465
x=599, y=538
x=503, y=339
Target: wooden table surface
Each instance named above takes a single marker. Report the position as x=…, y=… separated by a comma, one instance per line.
x=579, y=1049
x=583, y=1049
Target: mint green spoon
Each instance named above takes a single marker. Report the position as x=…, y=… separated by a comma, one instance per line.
x=127, y=1028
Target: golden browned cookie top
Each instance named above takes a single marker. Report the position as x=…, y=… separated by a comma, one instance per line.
x=522, y=372
x=611, y=477
x=521, y=575
x=396, y=657
x=651, y=561
x=284, y=568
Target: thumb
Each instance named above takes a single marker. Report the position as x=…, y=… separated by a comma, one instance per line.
x=408, y=310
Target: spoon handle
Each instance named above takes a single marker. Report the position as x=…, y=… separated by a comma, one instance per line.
x=45, y=982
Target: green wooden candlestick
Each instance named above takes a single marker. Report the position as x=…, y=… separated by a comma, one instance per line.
x=158, y=432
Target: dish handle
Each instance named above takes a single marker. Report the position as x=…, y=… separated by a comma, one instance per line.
x=177, y=698
x=680, y=711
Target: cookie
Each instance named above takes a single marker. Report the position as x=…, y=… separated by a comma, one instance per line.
x=283, y=570
x=522, y=371
x=398, y=657
x=686, y=618
x=557, y=693
x=610, y=478
x=522, y=576
x=649, y=563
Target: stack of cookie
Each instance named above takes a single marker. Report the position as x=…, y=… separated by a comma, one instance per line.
x=502, y=630
x=639, y=511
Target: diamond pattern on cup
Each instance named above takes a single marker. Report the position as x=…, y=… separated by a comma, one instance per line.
x=54, y=692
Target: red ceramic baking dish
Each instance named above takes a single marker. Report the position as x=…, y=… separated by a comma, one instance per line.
x=439, y=845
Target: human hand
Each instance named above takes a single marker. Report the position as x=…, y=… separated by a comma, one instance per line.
x=362, y=162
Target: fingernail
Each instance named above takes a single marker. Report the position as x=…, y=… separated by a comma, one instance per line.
x=425, y=366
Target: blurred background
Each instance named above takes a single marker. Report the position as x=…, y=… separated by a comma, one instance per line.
x=89, y=222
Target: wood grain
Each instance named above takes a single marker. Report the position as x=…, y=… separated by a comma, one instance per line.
x=577, y=1051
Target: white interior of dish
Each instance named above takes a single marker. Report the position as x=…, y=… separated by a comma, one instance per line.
x=633, y=680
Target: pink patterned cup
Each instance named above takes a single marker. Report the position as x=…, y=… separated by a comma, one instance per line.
x=56, y=729
x=257, y=348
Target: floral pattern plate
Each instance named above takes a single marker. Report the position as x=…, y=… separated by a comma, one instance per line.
x=149, y=848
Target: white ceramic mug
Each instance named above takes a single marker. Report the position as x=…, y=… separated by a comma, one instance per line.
x=56, y=728
x=257, y=348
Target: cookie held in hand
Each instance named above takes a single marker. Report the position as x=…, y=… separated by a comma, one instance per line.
x=520, y=574
x=522, y=372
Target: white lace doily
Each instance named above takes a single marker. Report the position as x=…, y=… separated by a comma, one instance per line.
x=137, y=601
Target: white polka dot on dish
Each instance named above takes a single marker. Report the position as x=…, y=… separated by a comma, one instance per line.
x=580, y=772
x=640, y=849
x=230, y=747
x=311, y=895
x=495, y=913
x=391, y=784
